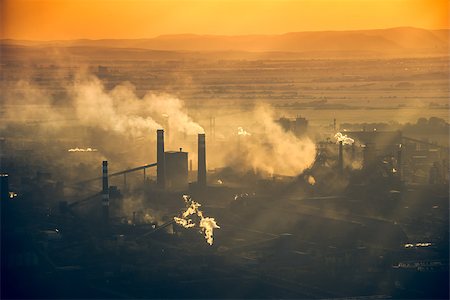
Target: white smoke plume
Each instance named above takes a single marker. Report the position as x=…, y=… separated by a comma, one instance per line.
x=343, y=138
x=243, y=132
x=207, y=224
x=122, y=111
x=272, y=150
x=96, y=107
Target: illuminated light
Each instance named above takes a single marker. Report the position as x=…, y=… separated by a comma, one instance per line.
x=207, y=224
x=423, y=244
x=243, y=132
x=409, y=245
x=219, y=181
x=82, y=150
x=12, y=195
x=311, y=180
x=343, y=138
x=394, y=170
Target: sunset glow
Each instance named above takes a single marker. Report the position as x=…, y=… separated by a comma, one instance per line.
x=70, y=19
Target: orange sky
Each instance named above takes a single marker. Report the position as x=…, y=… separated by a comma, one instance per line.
x=96, y=19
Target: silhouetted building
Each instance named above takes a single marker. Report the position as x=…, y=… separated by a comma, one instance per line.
x=176, y=170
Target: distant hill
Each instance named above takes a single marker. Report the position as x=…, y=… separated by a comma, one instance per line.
x=393, y=41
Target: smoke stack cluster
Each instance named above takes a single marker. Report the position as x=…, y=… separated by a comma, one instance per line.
x=161, y=166
x=105, y=192
x=201, y=176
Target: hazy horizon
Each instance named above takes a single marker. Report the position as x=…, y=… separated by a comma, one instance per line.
x=224, y=35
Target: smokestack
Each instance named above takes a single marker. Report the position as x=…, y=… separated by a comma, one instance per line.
x=161, y=166
x=105, y=192
x=4, y=195
x=399, y=161
x=341, y=158
x=201, y=176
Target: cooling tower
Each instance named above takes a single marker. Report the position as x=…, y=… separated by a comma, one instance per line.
x=176, y=170
x=160, y=160
x=201, y=176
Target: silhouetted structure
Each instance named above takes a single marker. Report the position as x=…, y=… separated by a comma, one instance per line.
x=160, y=159
x=176, y=170
x=4, y=195
x=105, y=192
x=201, y=175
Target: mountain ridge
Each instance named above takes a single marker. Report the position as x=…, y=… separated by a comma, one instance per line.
x=387, y=41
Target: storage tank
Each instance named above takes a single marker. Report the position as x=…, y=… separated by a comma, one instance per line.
x=176, y=170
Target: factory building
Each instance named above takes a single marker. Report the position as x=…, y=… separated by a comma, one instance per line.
x=172, y=166
x=176, y=164
x=381, y=142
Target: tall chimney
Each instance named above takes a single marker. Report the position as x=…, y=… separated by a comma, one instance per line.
x=161, y=165
x=201, y=176
x=399, y=161
x=4, y=195
x=105, y=192
x=341, y=158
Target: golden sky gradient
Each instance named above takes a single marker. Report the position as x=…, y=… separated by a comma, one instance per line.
x=97, y=19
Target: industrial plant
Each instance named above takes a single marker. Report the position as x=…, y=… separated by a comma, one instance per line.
x=301, y=165
x=367, y=218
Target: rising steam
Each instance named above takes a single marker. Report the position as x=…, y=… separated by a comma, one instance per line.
x=121, y=111
x=343, y=138
x=272, y=150
x=243, y=132
x=206, y=224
